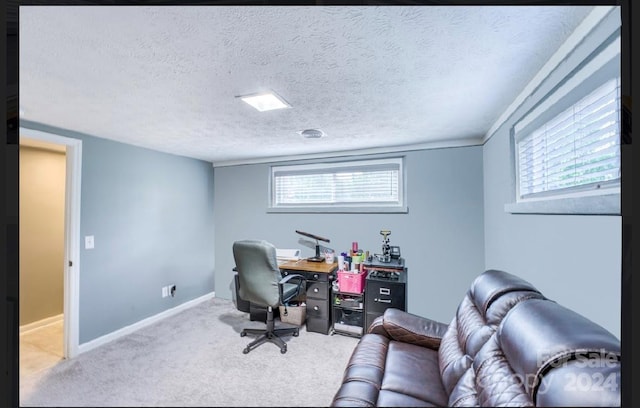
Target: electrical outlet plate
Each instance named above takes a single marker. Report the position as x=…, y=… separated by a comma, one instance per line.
x=165, y=291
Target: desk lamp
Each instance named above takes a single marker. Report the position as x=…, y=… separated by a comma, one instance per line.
x=317, y=257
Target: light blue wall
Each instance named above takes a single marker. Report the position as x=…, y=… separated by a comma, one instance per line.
x=152, y=217
x=573, y=259
x=441, y=237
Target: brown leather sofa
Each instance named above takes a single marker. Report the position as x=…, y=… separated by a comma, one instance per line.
x=506, y=345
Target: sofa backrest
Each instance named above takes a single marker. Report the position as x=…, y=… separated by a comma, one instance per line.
x=491, y=296
x=509, y=345
x=555, y=357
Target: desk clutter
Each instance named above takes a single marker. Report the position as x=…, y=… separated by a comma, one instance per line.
x=366, y=285
x=355, y=265
x=343, y=295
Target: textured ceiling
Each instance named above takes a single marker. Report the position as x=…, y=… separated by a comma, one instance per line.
x=167, y=77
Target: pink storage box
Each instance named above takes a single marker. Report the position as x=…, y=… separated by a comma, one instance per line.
x=351, y=282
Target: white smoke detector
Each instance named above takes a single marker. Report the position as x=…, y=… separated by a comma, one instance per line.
x=312, y=133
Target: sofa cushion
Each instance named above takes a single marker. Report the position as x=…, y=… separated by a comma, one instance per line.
x=453, y=362
x=413, y=329
x=377, y=375
x=364, y=372
x=464, y=394
x=469, y=321
x=395, y=399
x=423, y=381
x=495, y=381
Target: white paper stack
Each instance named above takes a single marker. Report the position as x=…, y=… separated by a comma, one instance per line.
x=286, y=255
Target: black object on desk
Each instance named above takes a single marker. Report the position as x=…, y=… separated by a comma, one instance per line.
x=317, y=257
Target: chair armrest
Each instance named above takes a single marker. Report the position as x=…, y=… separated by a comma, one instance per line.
x=301, y=280
x=409, y=328
x=289, y=277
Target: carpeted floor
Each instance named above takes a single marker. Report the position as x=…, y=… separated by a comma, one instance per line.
x=195, y=358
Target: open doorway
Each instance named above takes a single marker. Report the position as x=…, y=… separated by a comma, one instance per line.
x=67, y=322
x=42, y=248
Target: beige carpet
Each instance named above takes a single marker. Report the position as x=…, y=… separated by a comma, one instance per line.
x=195, y=359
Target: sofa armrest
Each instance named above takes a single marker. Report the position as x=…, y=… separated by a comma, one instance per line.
x=409, y=328
x=377, y=327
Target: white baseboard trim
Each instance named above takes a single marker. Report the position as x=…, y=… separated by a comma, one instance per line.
x=41, y=323
x=90, y=345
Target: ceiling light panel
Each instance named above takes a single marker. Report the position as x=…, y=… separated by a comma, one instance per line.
x=265, y=101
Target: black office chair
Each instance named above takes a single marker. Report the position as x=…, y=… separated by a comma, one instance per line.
x=261, y=283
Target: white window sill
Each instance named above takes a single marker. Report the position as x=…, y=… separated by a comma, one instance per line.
x=608, y=204
x=372, y=210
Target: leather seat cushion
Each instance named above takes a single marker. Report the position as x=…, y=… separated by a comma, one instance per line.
x=413, y=371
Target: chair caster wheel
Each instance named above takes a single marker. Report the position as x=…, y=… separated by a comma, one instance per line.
x=283, y=350
x=246, y=351
x=242, y=334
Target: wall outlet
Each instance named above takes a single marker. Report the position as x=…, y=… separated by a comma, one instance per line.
x=172, y=290
x=165, y=291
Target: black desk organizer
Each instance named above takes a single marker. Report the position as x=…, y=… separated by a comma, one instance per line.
x=348, y=313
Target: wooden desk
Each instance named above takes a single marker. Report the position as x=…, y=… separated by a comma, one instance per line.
x=308, y=266
x=319, y=277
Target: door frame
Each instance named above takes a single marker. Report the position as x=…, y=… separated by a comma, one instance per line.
x=71, y=308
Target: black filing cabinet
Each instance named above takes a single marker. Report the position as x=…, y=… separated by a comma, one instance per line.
x=383, y=291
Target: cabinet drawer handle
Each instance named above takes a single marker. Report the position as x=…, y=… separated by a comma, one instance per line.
x=316, y=308
x=382, y=300
x=385, y=291
x=316, y=290
x=315, y=276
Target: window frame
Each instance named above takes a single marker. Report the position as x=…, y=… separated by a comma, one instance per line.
x=602, y=66
x=334, y=166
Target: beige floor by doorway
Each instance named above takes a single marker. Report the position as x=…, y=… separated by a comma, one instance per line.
x=40, y=348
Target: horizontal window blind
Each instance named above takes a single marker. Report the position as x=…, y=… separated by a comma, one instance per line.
x=356, y=183
x=577, y=149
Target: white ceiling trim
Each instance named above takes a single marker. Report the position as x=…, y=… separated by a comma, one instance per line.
x=359, y=152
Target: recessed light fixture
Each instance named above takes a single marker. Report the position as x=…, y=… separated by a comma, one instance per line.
x=265, y=101
x=311, y=133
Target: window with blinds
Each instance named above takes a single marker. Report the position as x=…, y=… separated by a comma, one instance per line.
x=566, y=148
x=352, y=186
x=577, y=150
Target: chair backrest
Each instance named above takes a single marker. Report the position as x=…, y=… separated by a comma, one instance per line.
x=258, y=272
